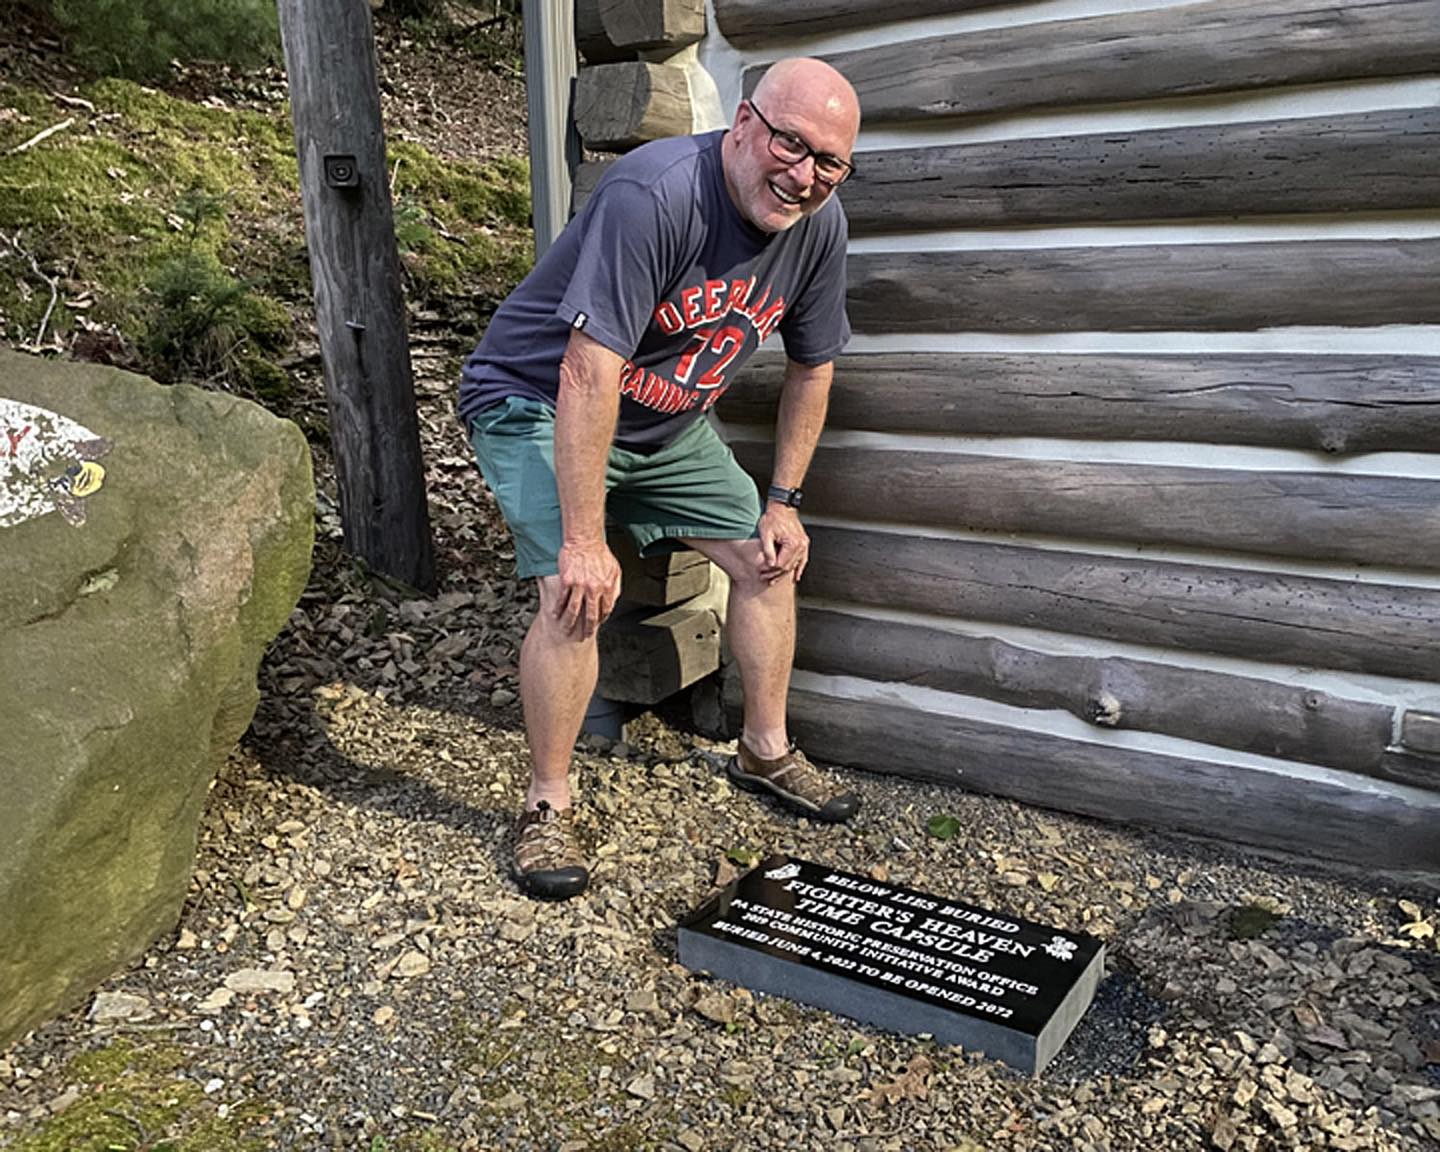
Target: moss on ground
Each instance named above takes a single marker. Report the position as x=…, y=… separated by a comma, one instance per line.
x=460, y=224
x=131, y=1098
x=565, y=1090
x=102, y=206
x=100, y=202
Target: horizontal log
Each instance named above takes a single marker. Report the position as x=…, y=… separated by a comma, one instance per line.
x=759, y=21
x=619, y=106
x=1317, y=516
x=1362, y=824
x=1241, y=712
x=610, y=30
x=1415, y=771
x=1333, y=403
x=1366, y=162
x=587, y=176
x=1381, y=629
x=1190, y=49
x=1145, y=288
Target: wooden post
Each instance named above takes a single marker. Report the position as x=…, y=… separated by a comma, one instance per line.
x=349, y=226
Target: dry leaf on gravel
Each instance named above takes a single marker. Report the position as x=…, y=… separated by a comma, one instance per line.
x=912, y=1084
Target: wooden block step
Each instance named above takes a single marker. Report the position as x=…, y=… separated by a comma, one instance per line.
x=658, y=581
x=646, y=656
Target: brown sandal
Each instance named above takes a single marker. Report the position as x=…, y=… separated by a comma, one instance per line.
x=794, y=780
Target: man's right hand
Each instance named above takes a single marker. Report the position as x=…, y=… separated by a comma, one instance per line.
x=589, y=586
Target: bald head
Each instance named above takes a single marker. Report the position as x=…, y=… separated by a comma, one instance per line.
x=812, y=87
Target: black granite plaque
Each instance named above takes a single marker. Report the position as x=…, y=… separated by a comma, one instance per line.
x=897, y=958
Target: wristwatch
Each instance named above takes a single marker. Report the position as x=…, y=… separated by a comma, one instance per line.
x=790, y=497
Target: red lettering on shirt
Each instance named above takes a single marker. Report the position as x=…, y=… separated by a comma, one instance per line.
x=728, y=344
x=714, y=300
x=630, y=378
x=690, y=305
x=739, y=289
x=686, y=362
x=667, y=316
x=766, y=321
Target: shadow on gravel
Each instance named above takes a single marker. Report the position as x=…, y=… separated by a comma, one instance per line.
x=297, y=747
x=1112, y=1036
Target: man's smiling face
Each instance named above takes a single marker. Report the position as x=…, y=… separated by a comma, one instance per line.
x=809, y=100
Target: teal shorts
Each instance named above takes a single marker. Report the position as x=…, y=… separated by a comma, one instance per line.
x=692, y=487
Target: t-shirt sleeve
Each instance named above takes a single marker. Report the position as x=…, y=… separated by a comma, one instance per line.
x=620, y=270
x=816, y=329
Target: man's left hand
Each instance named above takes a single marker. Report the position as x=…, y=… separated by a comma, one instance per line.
x=784, y=544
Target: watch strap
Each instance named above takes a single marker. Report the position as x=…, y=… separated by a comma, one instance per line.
x=788, y=496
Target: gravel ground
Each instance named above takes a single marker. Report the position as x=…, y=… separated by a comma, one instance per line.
x=355, y=956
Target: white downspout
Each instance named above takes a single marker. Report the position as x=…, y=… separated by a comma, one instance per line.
x=554, y=144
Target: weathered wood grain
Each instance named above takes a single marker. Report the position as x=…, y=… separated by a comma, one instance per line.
x=1333, y=403
x=1208, y=287
x=329, y=50
x=759, y=21
x=646, y=656
x=1414, y=771
x=656, y=581
x=1317, y=516
x=1322, y=817
x=1420, y=732
x=1189, y=49
x=607, y=31
x=1363, y=162
x=618, y=106
x=1382, y=629
x=587, y=175
x=1241, y=712
x=1417, y=760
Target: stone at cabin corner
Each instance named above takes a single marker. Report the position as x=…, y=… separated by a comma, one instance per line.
x=133, y=614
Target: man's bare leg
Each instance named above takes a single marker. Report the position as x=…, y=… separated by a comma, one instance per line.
x=558, y=670
x=760, y=625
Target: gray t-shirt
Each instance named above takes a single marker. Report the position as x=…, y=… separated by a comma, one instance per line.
x=661, y=268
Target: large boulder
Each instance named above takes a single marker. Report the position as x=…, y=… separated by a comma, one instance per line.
x=153, y=541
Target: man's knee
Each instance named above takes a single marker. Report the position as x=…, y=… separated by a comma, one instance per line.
x=744, y=561
x=738, y=559
x=546, y=626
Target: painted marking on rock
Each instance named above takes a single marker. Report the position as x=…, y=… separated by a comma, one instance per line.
x=47, y=464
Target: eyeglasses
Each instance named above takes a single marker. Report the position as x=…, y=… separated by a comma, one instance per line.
x=789, y=147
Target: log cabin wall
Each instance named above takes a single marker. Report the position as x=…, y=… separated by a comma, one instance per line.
x=1129, y=499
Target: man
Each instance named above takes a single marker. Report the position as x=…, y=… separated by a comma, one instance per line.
x=588, y=391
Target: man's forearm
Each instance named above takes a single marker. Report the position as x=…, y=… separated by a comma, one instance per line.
x=803, y=402
x=586, y=408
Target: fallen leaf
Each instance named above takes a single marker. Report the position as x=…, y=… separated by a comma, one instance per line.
x=942, y=827
x=912, y=1084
